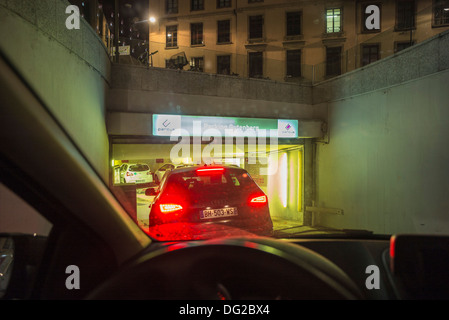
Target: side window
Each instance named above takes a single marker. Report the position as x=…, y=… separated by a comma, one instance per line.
x=16, y=216
x=19, y=219
x=235, y=181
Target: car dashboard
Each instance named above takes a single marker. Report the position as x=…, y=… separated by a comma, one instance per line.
x=270, y=269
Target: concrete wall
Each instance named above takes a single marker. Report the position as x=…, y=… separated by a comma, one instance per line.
x=386, y=164
x=69, y=69
x=157, y=90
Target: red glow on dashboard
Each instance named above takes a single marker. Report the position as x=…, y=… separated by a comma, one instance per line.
x=392, y=244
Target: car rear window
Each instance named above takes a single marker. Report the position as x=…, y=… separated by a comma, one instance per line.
x=139, y=167
x=230, y=179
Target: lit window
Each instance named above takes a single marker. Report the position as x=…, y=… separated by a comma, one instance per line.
x=171, y=36
x=333, y=20
x=197, y=64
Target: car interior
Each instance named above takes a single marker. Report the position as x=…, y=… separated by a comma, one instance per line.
x=118, y=261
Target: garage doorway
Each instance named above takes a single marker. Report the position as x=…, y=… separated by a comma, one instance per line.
x=278, y=171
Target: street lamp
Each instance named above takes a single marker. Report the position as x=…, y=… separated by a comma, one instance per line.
x=151, y=20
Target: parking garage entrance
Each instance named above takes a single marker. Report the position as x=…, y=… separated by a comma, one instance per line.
x=270, y=150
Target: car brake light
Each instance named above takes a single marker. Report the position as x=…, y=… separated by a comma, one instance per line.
x=129, y=174
x=215, y=170
x=170, y=207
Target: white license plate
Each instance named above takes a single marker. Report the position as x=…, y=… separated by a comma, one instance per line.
x=218, y=213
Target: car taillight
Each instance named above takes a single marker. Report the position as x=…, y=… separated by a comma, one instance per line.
x=170, y=207
x=257, y=200
x=148, y=173
x=129, y=174
x=260, y=199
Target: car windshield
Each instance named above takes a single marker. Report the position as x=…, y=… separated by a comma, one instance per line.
x=278, y=118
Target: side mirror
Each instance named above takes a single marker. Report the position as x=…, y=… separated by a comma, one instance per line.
x=20, y=257
x=6, y=262
x=151, y=192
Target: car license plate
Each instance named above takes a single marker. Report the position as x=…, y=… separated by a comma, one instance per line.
x=218, y=213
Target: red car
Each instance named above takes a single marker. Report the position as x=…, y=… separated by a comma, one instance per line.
x=206, y=200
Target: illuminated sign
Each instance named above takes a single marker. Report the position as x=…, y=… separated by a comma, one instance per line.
x=165, y=125
x=123, y=50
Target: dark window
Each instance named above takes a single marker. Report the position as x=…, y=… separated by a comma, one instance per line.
x=366, y=15
x=333, y=61
x=224, y=3
x=333, y=20
x=405, y=14
x=256, y=27
x=197, y=64
x=171, y=6
x=255, y=64
x=224, y=64
x=231, y=181
x=197, y=5
x=440, y=13
x=138, y=167
x=293, y=63
x=196, y=33
x=224, y=31
x=171, y=37
x=293, y=23
x=370, y=53
x=399, y=46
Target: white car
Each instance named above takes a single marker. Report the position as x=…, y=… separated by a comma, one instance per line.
x=135, y=173
x=159, y=173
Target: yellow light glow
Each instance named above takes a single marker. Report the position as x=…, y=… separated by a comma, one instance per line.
x=283, y=179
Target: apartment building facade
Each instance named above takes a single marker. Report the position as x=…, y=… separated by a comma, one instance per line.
x=287, y=40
